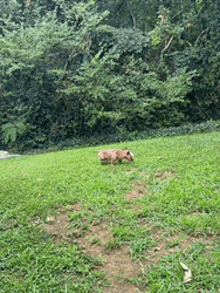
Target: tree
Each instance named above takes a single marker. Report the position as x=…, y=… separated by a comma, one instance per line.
x=36, y=62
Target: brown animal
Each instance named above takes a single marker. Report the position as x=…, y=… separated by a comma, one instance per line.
x=113, y=156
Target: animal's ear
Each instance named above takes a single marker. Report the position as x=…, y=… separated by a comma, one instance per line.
x=127, y=153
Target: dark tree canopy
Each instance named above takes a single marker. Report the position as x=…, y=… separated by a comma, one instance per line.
x=77, y=68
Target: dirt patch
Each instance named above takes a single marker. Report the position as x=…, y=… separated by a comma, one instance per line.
x=141, y=185
x=141, y=222
x=94, y=240
x=119, y=268
x=36, y=221
x=145, y=175
x=134, y=194
x=165, y=175
x=134, y=207
x=192, y=215
x=189, y=240
x=156, y=232
x=74, y=207
x=117, y=265
x=168, y=243
x=58, y=227
x=173, y=244
x=140, y=188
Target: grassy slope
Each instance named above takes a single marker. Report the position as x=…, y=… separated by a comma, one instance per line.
x=184, y=200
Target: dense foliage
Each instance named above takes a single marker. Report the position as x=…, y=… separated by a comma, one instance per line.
x=72, y=69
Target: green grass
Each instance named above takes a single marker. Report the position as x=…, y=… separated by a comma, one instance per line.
x=184, y=203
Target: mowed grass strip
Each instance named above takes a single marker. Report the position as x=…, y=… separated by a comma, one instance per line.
x=70, y=224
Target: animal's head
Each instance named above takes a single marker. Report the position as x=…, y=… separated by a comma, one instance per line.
x=129, y=155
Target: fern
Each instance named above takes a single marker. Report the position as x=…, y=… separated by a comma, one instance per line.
x=11, y=131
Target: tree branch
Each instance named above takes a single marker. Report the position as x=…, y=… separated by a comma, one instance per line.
x=205, y=31
x=167, y=46
x=132, y=14
x=164, y=50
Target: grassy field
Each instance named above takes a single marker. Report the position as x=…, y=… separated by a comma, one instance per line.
x=70, y=224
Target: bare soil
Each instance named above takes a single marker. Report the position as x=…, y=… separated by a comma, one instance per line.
x=117, y=263
x=165, y=175
x=99, y=242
